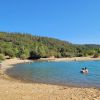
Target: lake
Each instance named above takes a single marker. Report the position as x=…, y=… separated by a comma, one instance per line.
x=60, y=73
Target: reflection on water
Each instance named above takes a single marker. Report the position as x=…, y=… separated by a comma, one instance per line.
x=62, y=73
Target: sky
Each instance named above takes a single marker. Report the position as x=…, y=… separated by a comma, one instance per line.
x=76, y=21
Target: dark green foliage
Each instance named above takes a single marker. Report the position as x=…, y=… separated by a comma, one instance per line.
x=34, y=47
x=96, y=55
x=34, y=55
x=9, y=52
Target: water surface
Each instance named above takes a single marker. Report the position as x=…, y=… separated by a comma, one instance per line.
x=61, y=73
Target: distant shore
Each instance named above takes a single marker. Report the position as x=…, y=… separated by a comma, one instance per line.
x=70, y=59
x=10, y=89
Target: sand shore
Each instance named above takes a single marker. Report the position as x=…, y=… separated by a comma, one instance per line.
x=70, y=59
x=15, y=90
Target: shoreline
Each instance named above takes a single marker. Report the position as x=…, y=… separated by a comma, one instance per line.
x=9, y=63
x=40, y=91
x=70, y=59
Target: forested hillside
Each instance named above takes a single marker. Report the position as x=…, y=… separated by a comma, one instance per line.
x=33, y=47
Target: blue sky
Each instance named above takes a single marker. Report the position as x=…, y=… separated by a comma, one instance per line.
x=77, y=21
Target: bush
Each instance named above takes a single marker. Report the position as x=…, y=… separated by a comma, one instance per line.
x=23, y=56
x=58, y=55
x=10, y=53
x=2, y=57
x=34, y=55
x=96, y=55
x=80, y=55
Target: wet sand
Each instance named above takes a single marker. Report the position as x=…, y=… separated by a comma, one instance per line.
x=16, y=90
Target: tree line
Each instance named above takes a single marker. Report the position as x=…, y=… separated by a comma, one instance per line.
x=27, y=46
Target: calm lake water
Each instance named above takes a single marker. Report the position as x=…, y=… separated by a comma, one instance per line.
x=61, y=73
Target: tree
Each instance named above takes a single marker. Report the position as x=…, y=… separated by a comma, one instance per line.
x=91, y=52
x=23, y=56
x=10, y=53
x=34, y=55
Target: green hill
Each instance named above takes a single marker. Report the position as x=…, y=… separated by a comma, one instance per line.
x=28, y=46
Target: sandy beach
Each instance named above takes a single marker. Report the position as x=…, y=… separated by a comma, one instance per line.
x=70, y=59
x=15, y=90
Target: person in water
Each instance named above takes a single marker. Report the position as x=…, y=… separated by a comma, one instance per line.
x=84, y=70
